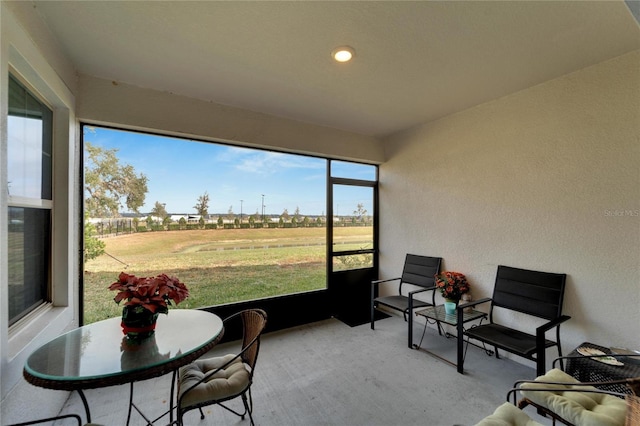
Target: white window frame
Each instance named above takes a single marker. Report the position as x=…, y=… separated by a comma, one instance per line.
x=24, y=60
x=35, y=203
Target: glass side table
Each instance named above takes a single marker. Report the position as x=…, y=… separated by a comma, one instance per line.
x=99, y=355
x=438, y=314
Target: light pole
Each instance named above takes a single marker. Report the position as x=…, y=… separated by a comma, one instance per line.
x=262, y=208
x=241, y=210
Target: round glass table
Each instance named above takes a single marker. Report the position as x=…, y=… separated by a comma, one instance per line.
x=99, y=355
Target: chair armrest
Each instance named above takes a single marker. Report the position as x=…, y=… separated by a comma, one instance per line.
x=576, y=383
x=475, y=302
x=515, y=390
x=411, y=293
x=376, y=282
x=553, y=323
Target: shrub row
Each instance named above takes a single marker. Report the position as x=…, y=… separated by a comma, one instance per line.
x=195, y=226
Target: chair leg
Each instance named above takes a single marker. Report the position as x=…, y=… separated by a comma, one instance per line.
x=373, y=314
x=201, y=413
x=373, y=305
x=247, y=407
x=560, y=356
x=497, y=354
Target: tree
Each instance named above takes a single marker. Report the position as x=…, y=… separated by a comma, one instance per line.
x=360, y=213
x=230, y=214
x=285, y=215
x=110, y=185
x=202, y=206
x=93, y=247
x=296, y=214
x=159, y=211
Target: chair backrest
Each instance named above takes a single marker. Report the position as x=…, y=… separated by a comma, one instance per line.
x=535, y=293
x=253, y=323
x=420, y=270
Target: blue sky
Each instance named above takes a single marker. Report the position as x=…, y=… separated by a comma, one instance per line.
x=179, y=171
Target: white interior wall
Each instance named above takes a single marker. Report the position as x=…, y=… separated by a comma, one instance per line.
x=546, y=179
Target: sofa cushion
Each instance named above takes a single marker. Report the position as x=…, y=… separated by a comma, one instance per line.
x=230, y=381
x=508, y=415
x=579, y=408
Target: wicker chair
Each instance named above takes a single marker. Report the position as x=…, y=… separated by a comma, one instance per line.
x=216, y=380
x=633, y=410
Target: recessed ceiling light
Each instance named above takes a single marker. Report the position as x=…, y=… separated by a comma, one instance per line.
x=343, y=53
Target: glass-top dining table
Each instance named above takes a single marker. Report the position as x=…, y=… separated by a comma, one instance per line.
x=100, y=355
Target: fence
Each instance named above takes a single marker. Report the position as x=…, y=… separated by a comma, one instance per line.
x=112, y=227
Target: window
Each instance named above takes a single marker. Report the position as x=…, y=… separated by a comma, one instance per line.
x=29, y=181
x=233, y=223
x=353, y=194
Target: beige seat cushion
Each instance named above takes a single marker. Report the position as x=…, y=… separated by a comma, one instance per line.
x=579, y=408
x=227, y=382
x=508, y=415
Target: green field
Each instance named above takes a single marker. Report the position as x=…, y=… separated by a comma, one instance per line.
x=218, y=266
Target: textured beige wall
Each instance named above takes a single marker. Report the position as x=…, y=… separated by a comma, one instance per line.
x=546, y=179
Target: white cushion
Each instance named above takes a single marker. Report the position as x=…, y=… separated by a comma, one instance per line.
x=227, y=382
x=508, y=415
x=579, y=408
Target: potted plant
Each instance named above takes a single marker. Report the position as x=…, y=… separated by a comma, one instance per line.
x=146, y=298
x=452, y=286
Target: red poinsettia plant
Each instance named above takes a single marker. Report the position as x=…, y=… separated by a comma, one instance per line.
x=452, y=285
x=152, y=293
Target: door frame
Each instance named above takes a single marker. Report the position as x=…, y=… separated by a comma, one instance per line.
x=349, y=291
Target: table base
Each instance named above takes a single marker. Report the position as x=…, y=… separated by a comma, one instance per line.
x=448, y=335
x=437, y=314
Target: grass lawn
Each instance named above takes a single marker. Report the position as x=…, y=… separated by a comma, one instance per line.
x=218, y=266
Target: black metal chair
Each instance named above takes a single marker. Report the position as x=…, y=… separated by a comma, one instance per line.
x=535, y=293
x=418, y=271
x=216, y=380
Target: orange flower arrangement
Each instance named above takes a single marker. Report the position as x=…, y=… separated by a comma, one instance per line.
x=452, y=285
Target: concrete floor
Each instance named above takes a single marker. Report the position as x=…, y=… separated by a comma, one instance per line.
x=328, y=373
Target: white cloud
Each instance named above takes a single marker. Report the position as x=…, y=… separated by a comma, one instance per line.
x=265, y=163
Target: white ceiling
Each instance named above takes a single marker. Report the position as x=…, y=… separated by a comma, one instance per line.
x=415, y=61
